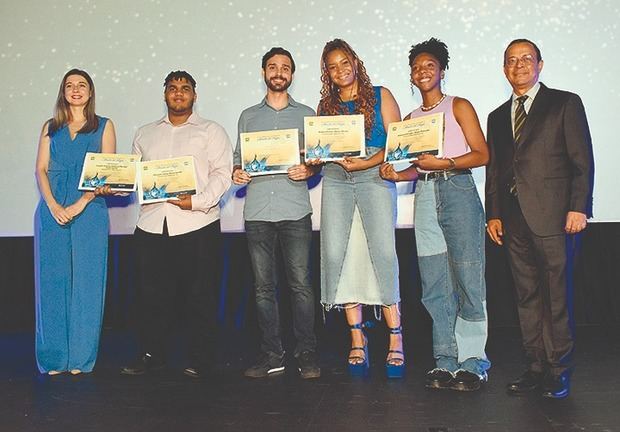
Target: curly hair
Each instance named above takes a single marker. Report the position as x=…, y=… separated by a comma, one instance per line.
x=331, y=103
x=434, y=47
x=179, y=75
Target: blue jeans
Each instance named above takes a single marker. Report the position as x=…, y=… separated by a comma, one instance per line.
x=294, y=238
x=449, y=230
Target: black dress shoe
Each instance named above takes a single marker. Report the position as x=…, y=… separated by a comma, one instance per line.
x=143, y=364
x=526, y=383
x=439, y=379
x=467, y=381
x=308, y=365
x=556, y=387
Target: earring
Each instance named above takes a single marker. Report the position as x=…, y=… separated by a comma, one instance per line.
x=412, y=88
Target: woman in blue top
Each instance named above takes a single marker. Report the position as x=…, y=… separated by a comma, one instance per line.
x=358, y=210
x=71, y=232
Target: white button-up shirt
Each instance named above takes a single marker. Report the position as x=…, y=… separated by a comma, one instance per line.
x=210, y=146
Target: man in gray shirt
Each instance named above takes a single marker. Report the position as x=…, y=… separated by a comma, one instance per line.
x=277, y=212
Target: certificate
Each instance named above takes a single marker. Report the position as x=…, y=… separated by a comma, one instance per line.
x=408, y=139
x=109, y=169
x=269, y=152
x=332, y=138
x=164, y=179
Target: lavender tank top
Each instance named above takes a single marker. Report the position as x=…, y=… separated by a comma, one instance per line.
x=454, y=143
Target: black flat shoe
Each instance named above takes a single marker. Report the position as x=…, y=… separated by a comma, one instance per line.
x=143, y=364
x=528, y=382
x=556, y=387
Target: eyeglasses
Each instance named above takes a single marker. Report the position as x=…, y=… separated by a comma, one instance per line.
x=527, y=59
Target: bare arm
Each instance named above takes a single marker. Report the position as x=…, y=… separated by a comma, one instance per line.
x=467, y=118
x=470, y=125
x=43, y=158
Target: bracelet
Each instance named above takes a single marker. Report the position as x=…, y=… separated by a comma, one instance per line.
x=452, y=163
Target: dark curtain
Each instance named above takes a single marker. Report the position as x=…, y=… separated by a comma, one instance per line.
x=596, y=293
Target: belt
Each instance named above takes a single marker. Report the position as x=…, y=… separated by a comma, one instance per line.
x=443, y=174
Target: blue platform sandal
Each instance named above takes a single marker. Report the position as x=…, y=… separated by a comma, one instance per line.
x=395, y=370
x=359, y=368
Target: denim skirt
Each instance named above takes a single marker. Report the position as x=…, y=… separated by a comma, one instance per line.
x=358, y=251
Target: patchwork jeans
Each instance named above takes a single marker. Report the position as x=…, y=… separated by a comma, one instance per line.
x=449, y=230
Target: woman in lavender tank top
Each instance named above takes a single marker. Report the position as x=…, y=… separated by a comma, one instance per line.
x=449, y=227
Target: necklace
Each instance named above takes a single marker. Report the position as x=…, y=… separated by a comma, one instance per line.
x=425, y=108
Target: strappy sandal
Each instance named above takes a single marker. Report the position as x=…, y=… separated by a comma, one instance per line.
x=359, y=368
x=392, y=369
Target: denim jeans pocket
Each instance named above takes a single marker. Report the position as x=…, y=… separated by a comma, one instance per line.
x=462, y=182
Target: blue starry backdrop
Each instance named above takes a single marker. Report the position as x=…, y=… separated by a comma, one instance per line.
x=129, y=47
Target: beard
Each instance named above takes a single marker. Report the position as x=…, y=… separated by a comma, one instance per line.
x=278, y=87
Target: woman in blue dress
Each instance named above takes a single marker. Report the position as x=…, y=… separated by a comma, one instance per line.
x=358, y=210
x=71, y=232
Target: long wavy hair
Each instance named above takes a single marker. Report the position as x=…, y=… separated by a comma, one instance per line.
x=331, y=103
x=62, y=112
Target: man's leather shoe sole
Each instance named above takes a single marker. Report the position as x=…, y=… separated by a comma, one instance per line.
x=135, y=371
x=527, y=383
x=193, y=372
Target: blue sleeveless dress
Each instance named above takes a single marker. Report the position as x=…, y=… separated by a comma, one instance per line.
x=358, y=218
x=70, y=262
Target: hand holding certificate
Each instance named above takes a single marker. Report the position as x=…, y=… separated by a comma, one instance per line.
x=269, y=152
x=332, y=138
x=118, y=171
x=408, y=139
x=164, y=179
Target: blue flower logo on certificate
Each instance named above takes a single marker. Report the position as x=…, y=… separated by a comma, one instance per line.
x=318, y=151
x=94, y=181
x=256, y=165
x=155, y=192
x=398, y=153
x=269, y=152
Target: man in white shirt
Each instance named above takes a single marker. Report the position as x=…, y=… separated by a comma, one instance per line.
x=178, y=241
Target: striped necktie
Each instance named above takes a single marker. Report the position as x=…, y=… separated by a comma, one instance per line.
x=520, y=117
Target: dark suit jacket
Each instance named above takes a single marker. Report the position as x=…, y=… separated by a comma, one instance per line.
x=552, y=162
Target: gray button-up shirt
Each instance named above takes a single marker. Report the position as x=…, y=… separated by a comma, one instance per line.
x=274, y=198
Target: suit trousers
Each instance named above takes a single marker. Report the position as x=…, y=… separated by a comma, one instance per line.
x=541, y=277
x=179, y=271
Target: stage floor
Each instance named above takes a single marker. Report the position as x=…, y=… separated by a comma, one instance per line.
x=106, y=401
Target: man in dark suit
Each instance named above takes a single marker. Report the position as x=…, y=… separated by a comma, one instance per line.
x=538, y=196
